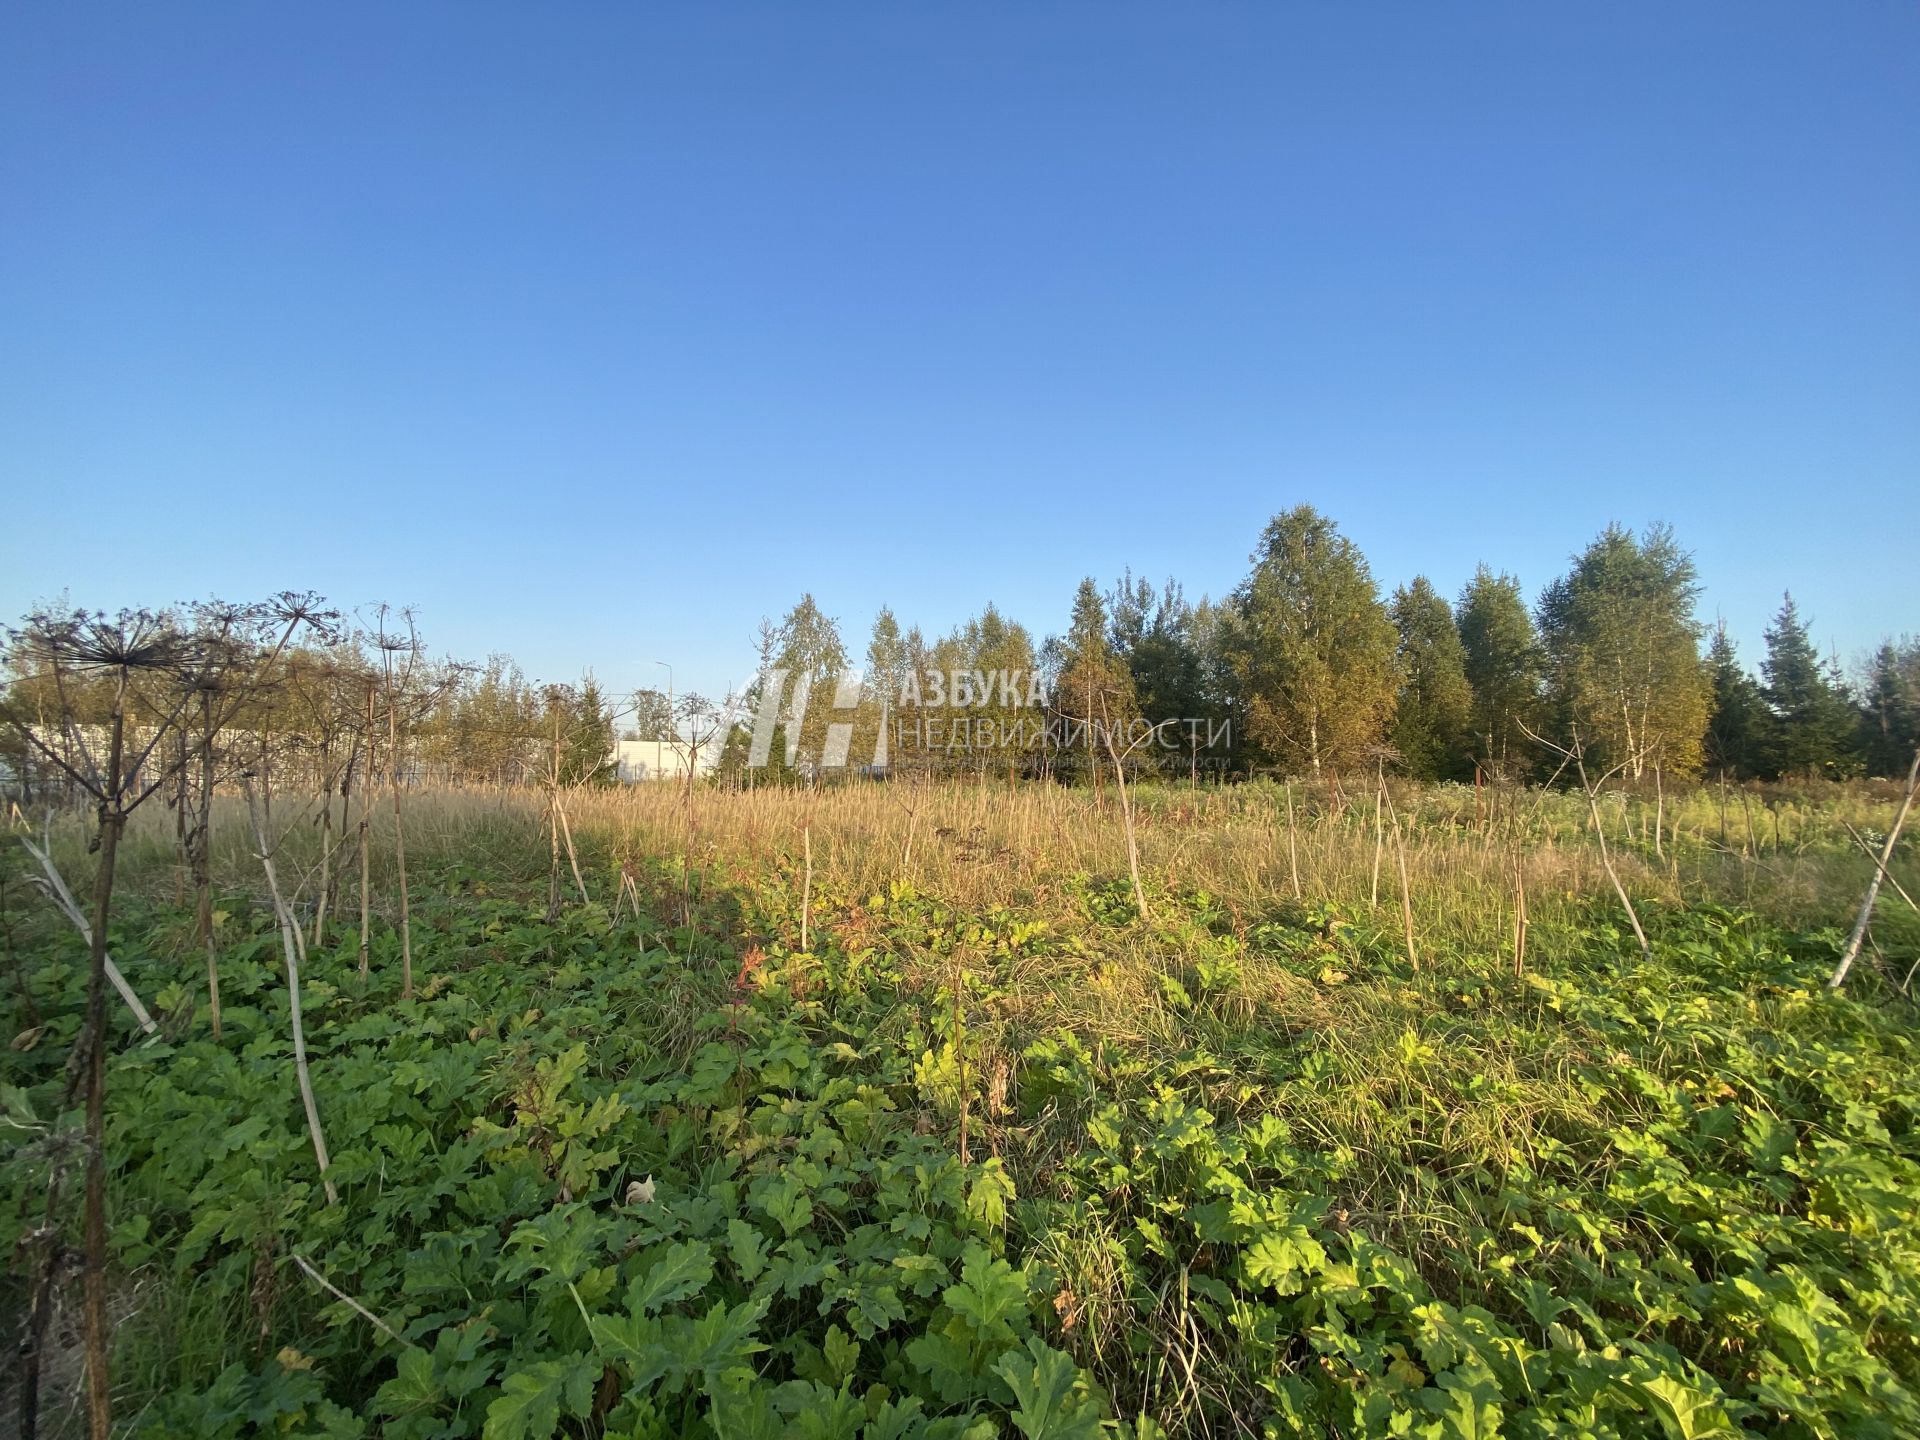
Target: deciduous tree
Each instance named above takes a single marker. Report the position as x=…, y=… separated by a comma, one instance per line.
x=1313, y=646
x=814, y=657
x=1434, y=709
x=652, y=716
x=1503, y=660
x=1623, y=653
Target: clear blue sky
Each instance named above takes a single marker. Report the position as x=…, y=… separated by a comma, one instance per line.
x=598, y=331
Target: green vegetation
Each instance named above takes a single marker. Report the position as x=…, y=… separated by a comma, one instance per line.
x=1233, y=1169
x=1313, y=647
x=483, y=1096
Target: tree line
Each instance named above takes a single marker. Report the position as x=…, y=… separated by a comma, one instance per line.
x=1307, y=668
x=347, y=705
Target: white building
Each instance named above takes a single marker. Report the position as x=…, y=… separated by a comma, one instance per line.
x=639, y=760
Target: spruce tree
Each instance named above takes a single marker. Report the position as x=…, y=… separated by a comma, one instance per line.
x=1152, y=631
x=1737, y=733
x=1890, y=712
x=1093, y=685
x=1813, y=720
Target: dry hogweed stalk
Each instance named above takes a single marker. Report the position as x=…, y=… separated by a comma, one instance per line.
x=109, y=720
x=97, y=698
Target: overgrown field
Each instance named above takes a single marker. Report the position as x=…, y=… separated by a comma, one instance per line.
x=991, y=1153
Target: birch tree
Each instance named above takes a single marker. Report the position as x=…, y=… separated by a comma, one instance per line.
x=1623, y=653
x=1501, y=653
x=1313, y=646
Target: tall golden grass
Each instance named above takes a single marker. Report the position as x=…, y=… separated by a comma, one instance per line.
x=1793, y=856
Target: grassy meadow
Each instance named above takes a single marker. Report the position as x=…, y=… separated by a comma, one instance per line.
x=883, y=1111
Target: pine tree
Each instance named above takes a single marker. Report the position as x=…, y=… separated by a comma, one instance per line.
x=1737, y=732
x=1313, y=647
x=1094, y=687
x=1152, y=632
x=1623, y=653
x=1890, y=712
x=1813, y=721
x=1431, y=718
x=1503, y=662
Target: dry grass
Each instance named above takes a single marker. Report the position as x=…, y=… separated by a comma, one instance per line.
x=976, y=845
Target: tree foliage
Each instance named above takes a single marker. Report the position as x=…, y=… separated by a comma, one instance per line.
x=1813, y=723
x=1503, y=661
x=1736, y=738
x=1094, y=683
x=886, y=658
x=1154, y=633
x=814, y=657
x=581, y=726
x=1432, y=716
x=1623, y=654
x=1890, y=709
x=1313, y=647
x=652, y=715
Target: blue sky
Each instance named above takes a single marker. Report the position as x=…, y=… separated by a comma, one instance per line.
x=597, y=332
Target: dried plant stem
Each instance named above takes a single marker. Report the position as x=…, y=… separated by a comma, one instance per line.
x=1406, y=886
x=324, y=889
x=1379, y=836
x=1852, y=952
x=1126, y=810
x=1659, y=813
x=1293, y=844
x=293, y=942
x=1606, y=856
x=806, y=885
x=346, y=1299
x=366, y=820
x=113, y=821
x=960, y=1041
x=573, y=859
x=202, y=862
x=1519, y=914
x=1885, y=874
x=399, y=848
x=63, y=897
